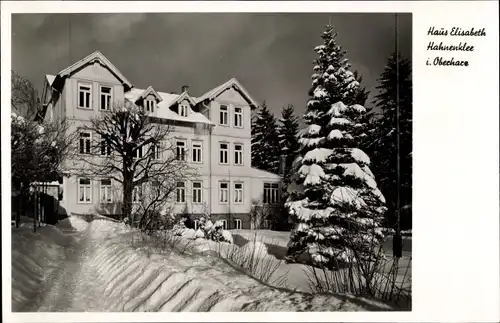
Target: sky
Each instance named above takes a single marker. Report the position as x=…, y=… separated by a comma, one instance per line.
x=271, y=54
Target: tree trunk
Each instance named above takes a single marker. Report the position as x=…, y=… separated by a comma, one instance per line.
x=127, y=196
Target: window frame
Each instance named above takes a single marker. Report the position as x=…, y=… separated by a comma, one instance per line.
x=236, y=115
x=136, y=151
x=224, y=224
x=226, y=153
x=196, y=224
x=193, y=148
x=80, y=132
x=240, y=224
x=84, y=186
x=184, y=144
x=221, y=194
x=109, y=190
x=110, y=95
x=235, y=192
x=104, y=144
x=155, y=152
x=180, y=188
x=88, y=85
x=199, y=189
x=226, y=113
x=240, y=154
x=150, y=105
x=183, y=107
x=274, y=196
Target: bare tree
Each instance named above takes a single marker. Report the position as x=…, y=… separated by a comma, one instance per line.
x=261, y=214
x=38, y=151
x=24, y=97
x=134, y=149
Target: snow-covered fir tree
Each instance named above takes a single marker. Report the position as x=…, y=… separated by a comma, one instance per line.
x=334, y=201
x=383, y=142
x=288, y=128
x=265, y=145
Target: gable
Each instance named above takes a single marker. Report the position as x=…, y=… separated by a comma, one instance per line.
x=96, y=72
x=232, y=96
x=232, y=84
x=94, y=59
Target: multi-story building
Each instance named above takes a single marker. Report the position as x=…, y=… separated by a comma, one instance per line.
x=215, y=128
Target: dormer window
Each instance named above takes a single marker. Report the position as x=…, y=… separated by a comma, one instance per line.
x=150, y=105
x=183, y=110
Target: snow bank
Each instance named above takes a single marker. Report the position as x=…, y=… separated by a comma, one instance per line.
x=255, y=249
x=34, y=257
x=125, y=278
x=132, y=281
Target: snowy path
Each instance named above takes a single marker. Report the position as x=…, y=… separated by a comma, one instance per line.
x=72, y=286
x=96, y=268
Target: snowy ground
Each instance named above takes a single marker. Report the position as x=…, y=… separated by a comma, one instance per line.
x=97, y=266
x=296, y=274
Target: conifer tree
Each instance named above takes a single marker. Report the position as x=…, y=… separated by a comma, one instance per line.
x=334, y=201
x=383, y=143
x=265, y=146
x=287, y=134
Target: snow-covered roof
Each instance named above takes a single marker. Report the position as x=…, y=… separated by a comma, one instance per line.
x=50, y=79
x=95, y=56
x=263, y=173
x=163, y=111
x=147, y=92
x=212, y=94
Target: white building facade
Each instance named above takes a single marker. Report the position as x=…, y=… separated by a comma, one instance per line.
x=214, y=131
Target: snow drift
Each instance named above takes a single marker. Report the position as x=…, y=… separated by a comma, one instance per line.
x=127, y=278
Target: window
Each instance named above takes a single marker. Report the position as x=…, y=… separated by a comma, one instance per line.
x=106, y=94
x=238, y=192
x=223, y=152
x=105, y=191
x=85, y=137
x=238, y=154
x=223, y=112
x=181, y=150
x=136, y=194
x=197, y=192
x=155, y=152
x=150, y=105
x=84, y=190
x=84, y=96
x=238, y=117
x=223, y=192
x=183, y=110
x=196, y=224
x=137, y=153
x=224, y=224
x=197, y=152
x=181, y=192
x=237, y=224
x=105, y=148
x=271, y=193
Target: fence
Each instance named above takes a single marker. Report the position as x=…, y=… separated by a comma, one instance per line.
x=40, y=202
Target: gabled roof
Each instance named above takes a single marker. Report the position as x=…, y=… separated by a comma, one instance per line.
x=232, y=83
x=185, y=96
x=95, y=56
x=163, y=111
x=50, y=79
x=147, y=92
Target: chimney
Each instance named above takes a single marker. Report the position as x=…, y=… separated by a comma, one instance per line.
x=185, y=88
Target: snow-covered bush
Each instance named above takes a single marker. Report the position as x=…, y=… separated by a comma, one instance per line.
x=214, y=232
x=179, y=227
